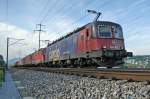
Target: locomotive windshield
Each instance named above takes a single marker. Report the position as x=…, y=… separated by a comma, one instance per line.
x=106, y=31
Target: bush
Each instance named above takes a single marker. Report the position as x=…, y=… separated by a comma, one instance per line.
x=2, y=75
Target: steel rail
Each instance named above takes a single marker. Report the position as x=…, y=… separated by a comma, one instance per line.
x=123, y=74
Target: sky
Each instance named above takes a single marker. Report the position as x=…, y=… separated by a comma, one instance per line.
x=62, y=16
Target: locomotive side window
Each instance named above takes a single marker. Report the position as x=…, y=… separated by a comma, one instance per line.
x=105, y=31
x=87, y=32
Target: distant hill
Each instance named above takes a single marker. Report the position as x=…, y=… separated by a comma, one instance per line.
x=139, y=57
x=12, y=61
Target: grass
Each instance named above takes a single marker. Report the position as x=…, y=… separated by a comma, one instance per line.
x=2, y=75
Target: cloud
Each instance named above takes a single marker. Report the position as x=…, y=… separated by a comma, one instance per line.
x=61, y=26
x=137, y=3
x=27, y=46
x=138, y=41
x=56, y=29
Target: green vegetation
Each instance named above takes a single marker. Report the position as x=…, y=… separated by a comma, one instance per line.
x=2, y=62
x=138, y=61
x=2, y=75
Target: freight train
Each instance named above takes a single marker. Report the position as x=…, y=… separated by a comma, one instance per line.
x=99, y=43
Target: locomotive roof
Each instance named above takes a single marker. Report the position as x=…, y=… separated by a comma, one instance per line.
x=80, y=28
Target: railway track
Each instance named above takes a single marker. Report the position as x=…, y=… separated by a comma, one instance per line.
x=126, y=74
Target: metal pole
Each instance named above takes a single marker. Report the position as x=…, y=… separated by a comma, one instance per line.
x=39, y=30
x=39, y=37
x=9, y=44
x=7, y=53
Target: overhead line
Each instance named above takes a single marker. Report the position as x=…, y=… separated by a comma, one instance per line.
x=66, y=12
x=44, y=7
x=50, y=9
x=62, y=10
x=83, y=16
x=71, y=7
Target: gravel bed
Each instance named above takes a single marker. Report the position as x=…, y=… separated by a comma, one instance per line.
x=41, y=85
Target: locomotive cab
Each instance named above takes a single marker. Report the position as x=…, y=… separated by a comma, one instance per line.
x=106, y=43
x=110, y=35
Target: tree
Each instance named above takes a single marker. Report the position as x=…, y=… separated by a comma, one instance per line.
x=2, y=62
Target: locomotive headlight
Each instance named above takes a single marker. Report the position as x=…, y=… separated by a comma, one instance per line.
x=104, y=47
x=121, y=48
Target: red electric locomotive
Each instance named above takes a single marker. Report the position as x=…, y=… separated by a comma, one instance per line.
x=103, y=43
x=34, y=59
x=99, y=43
